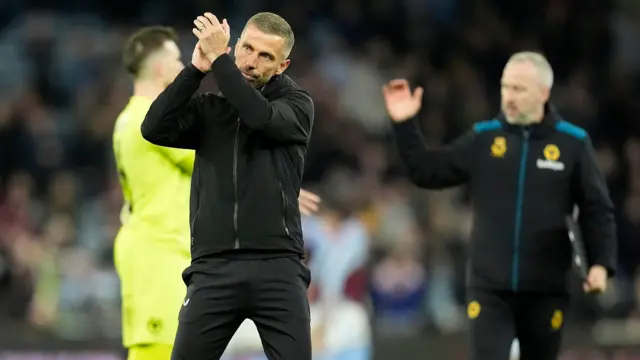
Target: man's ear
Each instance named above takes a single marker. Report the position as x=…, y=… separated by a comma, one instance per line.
x=283, y=66
x=546, y=93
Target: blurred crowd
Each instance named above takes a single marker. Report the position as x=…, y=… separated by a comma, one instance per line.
x=62, y=87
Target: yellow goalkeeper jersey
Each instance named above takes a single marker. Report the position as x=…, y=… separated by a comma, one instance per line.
x=155, y=183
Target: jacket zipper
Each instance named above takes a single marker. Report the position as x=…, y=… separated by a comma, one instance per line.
x=515, y=267
x=195, y=216
x=284, y=213
x=235, y=186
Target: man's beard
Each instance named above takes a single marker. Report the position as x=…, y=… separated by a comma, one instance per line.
x=259, y=82
x=255, y=80
x=521, y=119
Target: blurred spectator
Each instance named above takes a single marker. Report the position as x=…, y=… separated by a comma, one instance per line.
x=338, y=246
x=398, y=292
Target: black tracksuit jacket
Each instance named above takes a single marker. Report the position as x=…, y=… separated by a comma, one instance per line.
x=523, y=182
x=250, y=147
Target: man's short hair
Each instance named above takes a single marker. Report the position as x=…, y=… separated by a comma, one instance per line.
x=270, y=23
x=539, y=61
x=144, y=43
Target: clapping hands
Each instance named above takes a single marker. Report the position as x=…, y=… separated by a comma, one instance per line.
x=213, y=40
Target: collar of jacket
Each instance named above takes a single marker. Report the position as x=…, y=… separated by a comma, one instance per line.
x=278, y=85
x=541, y=129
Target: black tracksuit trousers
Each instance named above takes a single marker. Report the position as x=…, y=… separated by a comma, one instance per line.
x=224, y=292
x=498, y=317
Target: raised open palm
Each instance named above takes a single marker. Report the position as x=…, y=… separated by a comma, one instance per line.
x=402, y=104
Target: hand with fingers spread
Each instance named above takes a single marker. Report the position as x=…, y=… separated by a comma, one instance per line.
x=402, y=104
x=213, y=40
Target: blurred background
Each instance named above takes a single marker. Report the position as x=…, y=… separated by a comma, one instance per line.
x=62, y=86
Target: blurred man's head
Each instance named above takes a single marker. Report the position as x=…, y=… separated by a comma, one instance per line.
x=526, y=85
x=264, y=47
x=152, y=54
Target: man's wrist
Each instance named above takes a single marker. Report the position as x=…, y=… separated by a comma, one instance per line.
x=223, y=63
x=214, y=57
x=192, y=69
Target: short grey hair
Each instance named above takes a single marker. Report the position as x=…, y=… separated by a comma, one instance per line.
x=539, y=61
x=273, y=24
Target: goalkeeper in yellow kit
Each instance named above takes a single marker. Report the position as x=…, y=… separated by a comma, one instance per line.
x=152, y=247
